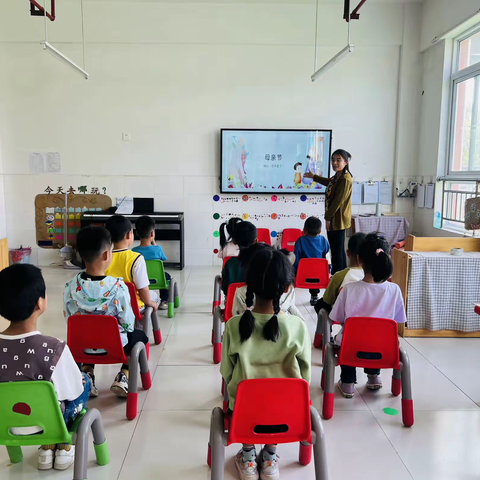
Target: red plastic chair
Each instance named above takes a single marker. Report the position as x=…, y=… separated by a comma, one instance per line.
x=312, y=273
x=370, y=343
x=147, y=313
x=217, y=288
x=282, y=402
x=218, y=319
x=101, y=332
x=289, y=237
x=263, y=236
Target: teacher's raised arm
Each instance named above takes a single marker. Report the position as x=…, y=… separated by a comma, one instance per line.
x=338, y=206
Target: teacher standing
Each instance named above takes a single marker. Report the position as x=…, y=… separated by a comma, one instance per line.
x=338, y=206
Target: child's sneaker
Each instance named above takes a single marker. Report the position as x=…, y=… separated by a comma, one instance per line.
x=313, y=300
x=346, y=389
x=374, y=382
x=120, y=385
x=269, y=466
x=163, y=305
x=93, y=390
x=64, y=458
x=45, y=457
x=246, y=463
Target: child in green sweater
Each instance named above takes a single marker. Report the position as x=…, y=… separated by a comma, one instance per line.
x=264, y=343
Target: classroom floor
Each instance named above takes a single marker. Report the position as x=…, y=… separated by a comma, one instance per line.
x=168, y=439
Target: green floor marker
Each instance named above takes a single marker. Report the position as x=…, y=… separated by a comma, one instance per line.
x=390, y=411
x=216, y=216
x=216, y=234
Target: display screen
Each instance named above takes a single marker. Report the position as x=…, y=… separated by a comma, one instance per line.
x=264, y=161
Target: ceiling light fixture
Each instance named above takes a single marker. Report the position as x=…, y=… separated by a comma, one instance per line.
x=58, y=54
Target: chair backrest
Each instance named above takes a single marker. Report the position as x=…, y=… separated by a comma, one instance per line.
x=134, y=301
x=156, y=275
x=312, y=273
x=230, y=297
x=225, y=260
x=31, y=404
x=95, y=332
x=263, y=236
x=271, y=411
x=370, y=343
x=289, y=237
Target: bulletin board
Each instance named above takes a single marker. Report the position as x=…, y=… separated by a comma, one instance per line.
x=49, y=216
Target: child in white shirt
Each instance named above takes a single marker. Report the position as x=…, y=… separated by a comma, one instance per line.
x=228, y=247
x=374, y=297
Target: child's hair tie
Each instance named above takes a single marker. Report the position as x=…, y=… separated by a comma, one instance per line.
x=379, y=250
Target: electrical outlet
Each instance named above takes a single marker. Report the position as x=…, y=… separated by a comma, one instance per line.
x=126, y=137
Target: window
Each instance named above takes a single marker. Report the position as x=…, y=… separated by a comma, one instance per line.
x=455, y=194
x=464, y=151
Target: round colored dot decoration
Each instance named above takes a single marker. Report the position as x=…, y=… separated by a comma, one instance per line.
x=274, y=234
x=390, y=411
x=303, y=216
x=215, y=251
x=216, y=216
x=274, y=198
x=303, y=198
x=245, y=198
x=273, y=216
x=216, y=198
x=216, y=233
x=245, y=216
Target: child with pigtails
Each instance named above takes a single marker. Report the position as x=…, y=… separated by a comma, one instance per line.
x=264, y=343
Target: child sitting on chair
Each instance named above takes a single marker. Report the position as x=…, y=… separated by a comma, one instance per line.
x=264, y=343
x=94, y=292
x=145, y=227
x=375, y=297
x=244, y=235
x=353, y=273
x=26, y=354
x=228, y=247
x=287, y=300
x=311, y=245
x=129, y=265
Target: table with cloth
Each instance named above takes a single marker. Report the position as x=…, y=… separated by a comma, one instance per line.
x=394, y=228
x=442, y=289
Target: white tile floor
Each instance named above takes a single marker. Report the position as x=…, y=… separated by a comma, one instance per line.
x=168, y=439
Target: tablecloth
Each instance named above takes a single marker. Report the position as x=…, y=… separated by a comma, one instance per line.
x=395, y=229
x=442, y=290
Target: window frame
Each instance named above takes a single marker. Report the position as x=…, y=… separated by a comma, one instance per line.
x=457, y=77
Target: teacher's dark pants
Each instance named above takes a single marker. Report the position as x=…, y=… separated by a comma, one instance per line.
x=336, y=239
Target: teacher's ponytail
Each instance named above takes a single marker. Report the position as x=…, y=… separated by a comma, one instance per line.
x=346, y=156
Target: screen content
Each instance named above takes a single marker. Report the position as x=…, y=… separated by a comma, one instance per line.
x=274, y=160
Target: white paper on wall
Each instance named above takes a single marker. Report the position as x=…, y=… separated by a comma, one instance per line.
x=370, y=193
x=45, y=162
x=421, y=196
x=430, y=195
x=385, y=193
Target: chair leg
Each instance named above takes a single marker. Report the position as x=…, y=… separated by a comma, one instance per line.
x=319, y=446
x=305, y=453
x=226, y=397
x=157, y=334
x=137, y=356
x=217, y=444
x=327, y=325
x=15, y=454
x=217, y=336
x=329, y=370
x=176, y=302
x=216, y=293
x=171, y=299
x=318, y=340
x=407, y=399
x=92, y=420
x=396, y=382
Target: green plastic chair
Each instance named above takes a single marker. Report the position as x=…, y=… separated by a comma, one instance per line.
x=31, y=404
x=156, y=275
